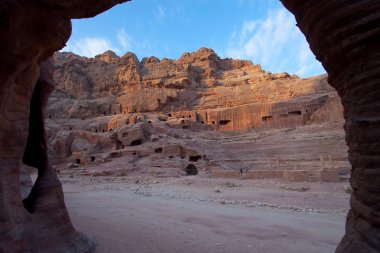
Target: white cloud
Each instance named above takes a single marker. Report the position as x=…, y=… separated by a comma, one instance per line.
x=306, y=60
x=248, y=27
x=125, y=40
x=276, y=43
x=90, y=47
x=128, y=43
x=160, y=13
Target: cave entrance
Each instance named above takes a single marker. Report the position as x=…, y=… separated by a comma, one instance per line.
x=191, y=170
x=194, y=158
x=295, y=113
x=266, y=118
x=136, y=142
x=77, y=161
x=119, y=145
x=224, y=122
x=158, y=150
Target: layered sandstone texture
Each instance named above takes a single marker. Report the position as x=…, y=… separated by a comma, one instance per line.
x=345, y=35
x=163, y=115
x=224, y=94
x=31, y=32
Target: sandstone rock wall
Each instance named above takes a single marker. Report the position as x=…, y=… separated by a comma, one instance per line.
x=223, y=94
x=344, y=36
x=130, y=103
x=31, y=31
x=198, y=92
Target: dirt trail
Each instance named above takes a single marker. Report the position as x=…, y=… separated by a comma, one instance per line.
x=125, y=219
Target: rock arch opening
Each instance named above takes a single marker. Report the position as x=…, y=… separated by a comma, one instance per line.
x=35, y=153
x=350, y=56
x=26, y=181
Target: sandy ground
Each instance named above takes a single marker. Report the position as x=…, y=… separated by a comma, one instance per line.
x=193, y=214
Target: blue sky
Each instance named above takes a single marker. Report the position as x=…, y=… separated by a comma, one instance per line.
x=262, y=31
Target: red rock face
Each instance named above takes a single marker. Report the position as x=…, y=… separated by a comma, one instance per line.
x=100, y=99
x=223, y=94
x=31, y=32
x=345, y=35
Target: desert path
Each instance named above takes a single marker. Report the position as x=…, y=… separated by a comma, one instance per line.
x=125, y=222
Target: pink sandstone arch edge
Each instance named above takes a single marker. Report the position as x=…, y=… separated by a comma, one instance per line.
x=343, y=34
x=31, y=31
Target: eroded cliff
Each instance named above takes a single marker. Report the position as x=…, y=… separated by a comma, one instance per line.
x=110, y=106
x=225, y=94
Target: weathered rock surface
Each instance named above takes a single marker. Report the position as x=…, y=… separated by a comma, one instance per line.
x=344, y=36
x=31, y=32
x=178, y=104
x=224, y=94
